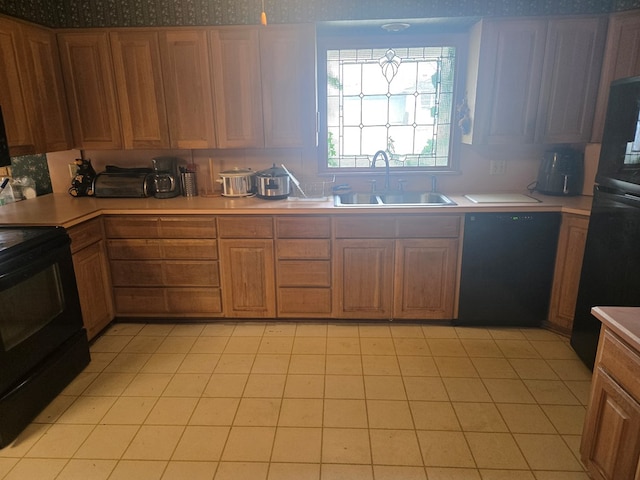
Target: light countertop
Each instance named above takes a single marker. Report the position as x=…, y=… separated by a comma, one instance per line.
x=624, y=321
x=65, y=210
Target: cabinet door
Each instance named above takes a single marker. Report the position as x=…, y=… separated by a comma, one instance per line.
x=51, y=110
x=509, y=65
x=621, y=59
x=94, y=287
x=364, y=278
x=15, y=95
x=90, y=88
x=287, y=62
x=425, y=278
x=235, y=63
x=138, y=74
x=611, y=438
x=571, y=242
x=248, y=277
x=188, y=88
x=573, y=60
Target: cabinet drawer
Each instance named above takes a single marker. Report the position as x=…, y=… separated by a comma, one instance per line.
x=168, y=273
x=303, y=249
x=303, y=227
x=426, y=226
x=299, y=301
x=167, y=301
x=131, y=226
x=304, y=274
x=622, y=363
x=373, y=226
x=136, y=249
x=144, y=226
x=85, y=234
x=245, y=227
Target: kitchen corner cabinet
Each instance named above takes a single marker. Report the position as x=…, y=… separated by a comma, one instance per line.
x=571, y=244
x=402, y=267
x=188, y=88
x=610, y=446
x=53, y=132
x=247, y=266
x=621, y=59
x=534, y=80
x=303, y=266
x=164, y=266
x=92, y=275
x=15, y=94
x=140, y=89
x=264, y=86
x=90, y=87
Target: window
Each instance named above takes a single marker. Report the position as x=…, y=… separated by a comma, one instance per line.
x=398, y=98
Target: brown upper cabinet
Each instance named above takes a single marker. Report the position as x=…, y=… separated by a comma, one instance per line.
x=621, y=59
x=90, y=87
x=265, y=94
x=534, y=80
x=188, y=88
x=15, y=93
x=138, y=74
x=53, y=132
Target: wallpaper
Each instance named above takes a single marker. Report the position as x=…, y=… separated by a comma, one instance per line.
x=126, y=13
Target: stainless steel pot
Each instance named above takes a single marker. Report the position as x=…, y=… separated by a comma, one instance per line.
x=238, y=182
x=273, y=183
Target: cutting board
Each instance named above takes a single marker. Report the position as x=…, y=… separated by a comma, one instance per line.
x=501, y=198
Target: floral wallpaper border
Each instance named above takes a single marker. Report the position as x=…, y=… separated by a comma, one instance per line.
x=132, y=13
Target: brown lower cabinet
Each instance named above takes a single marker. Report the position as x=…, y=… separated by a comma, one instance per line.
x=164, y=266
x=92, y=275
x=610, y=446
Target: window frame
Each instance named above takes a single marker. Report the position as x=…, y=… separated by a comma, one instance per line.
x=335, y=41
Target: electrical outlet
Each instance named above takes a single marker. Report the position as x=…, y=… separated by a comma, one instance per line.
x=497, y=167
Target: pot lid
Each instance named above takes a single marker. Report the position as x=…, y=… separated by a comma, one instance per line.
x=272, y=172
x=237, y=172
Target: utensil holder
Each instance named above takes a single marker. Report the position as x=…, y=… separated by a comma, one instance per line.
x=188, y=184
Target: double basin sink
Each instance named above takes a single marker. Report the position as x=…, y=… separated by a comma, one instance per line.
x=425, y=199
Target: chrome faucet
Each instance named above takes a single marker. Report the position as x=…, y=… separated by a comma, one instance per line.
x=386, y=166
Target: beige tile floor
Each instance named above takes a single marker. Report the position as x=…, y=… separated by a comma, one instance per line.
x=302, y=401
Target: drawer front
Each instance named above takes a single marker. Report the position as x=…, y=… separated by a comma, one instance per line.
x=145, y=226
x=194, y=301
x=200, y=226
x=139, y=249
x=134, y=249
x=164, y=273
x=131, y=226
x=303, y=249
x=304, y=301
x=168, y=301
x=205, y=249
x=303, y=227
x=85, y=234
x=373, y=226
x=245, y=227
x=304, y=274
x=426, y=226
x=622, y=363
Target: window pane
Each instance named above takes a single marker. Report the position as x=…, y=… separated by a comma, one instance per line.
x=399, y=100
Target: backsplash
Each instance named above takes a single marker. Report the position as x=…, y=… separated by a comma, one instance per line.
x=133, y=13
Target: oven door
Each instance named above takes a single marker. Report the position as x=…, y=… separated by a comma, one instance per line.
x=39, y=305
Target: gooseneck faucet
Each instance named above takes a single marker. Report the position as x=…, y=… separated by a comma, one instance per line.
x=385, y=157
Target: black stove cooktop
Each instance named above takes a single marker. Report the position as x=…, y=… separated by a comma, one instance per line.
x=16, y=240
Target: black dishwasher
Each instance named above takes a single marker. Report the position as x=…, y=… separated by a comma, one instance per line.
x=507, y=268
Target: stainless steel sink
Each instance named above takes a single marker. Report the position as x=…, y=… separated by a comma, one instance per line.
x=423, y=199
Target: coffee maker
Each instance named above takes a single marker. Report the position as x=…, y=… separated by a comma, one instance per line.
x=166, y=177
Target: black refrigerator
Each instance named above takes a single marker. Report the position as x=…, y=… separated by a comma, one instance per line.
x=611, y=266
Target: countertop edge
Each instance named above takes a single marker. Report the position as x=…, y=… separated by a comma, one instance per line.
x=624, y=321
x=67, y=211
